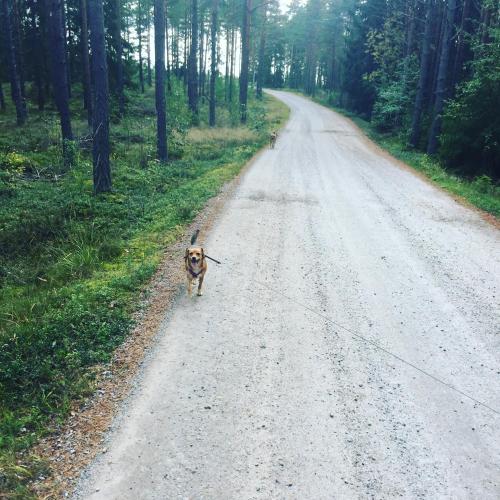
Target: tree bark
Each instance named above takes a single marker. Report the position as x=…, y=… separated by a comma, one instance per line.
x=65, y=34
x=231, y=67
x=161, y=116
x=213, y=62
x=457, y=72
x=441, y=88
x=192, y=71
x=60, y=73
x=118, y=46
x=245, y=59
x=148, y=45
x=139, y=36
x=15, y=83
x=37, y=48
x=100, y=122
x=262, y=55
x=201, y=73
x=16, y=33
x=424, y=75
x=84, y=39
x=2, y=98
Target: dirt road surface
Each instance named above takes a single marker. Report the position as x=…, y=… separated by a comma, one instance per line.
x=270, y=385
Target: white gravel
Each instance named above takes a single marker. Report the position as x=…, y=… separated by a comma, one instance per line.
x=249, y=395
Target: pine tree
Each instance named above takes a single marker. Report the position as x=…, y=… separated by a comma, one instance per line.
x=192, y=70
x=15, y=82
x=100, y=119
x=161, y=130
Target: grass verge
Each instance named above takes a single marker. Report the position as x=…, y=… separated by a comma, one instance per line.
x=72, y=265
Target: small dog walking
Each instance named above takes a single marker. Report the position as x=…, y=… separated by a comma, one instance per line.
x=272, y=139
x=196, y=265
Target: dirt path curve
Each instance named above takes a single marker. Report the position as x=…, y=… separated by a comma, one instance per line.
x=253, y=393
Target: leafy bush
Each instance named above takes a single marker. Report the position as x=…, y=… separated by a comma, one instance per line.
x=470, y=140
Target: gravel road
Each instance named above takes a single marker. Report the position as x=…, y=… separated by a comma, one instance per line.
x=281, y=381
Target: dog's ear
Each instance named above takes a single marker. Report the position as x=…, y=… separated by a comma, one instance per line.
x=186, y=255
x=202, y=253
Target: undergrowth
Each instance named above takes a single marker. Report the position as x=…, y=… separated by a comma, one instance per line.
x=72, y=264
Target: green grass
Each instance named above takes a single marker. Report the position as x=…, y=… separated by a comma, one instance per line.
x=72, y=264
x=481, y=192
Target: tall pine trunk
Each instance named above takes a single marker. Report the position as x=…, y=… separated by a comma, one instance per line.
x=84, y=40
x=18, y=44
x=226, y=73
x=148, y=45
x=262, y=55
x=118, y=46
x=213, y=62
x=161, y=116
x=245, y=59
x=192, y=71
x=201, y=72
x=60, y=84
x=231, y=67
x=2, y=98
x=37, y=48
x=100, y=121
x=441, y=87
x=462, y=43
x=139, y=36
x=424, y=75
x=15, y=82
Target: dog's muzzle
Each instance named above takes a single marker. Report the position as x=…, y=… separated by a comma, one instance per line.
x=194, y=260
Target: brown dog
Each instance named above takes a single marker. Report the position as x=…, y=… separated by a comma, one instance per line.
x=196, y=267
x=272, y=139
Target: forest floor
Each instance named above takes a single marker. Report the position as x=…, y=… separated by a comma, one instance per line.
x=346, y=347
x=73, y=265
x=480, y=192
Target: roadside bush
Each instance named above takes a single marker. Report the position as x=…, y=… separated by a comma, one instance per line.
x=470, y=140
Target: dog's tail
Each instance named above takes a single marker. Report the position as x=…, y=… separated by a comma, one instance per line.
x=195, y=236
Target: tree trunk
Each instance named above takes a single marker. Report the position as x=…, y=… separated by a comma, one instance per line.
x=226, y=73
x=63, y=27
x=192, y=71
x=2, y=98
x=16, y=33
x=100, y=122
x=201, y=74
x=15, y=83
x=441, y=88
x=148, y=45
x=262, y=55
x=37, y=47
x=139, y=36
x=245, y=59
x=213, y=62
x=118, y=46
x=231, y=66
x=84, y=39
x=161, y=121
x=60, y=74
x=461, y=45
x=424, y=75
x=167, y=52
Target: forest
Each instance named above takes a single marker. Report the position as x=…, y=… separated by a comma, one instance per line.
x=119, y=119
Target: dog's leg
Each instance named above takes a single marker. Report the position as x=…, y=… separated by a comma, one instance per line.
x=190, y=287
x=200, y=283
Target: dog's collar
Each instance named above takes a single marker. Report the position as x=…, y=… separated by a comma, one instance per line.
x=192, y=273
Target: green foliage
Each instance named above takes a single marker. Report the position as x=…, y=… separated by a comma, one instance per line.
x=470, y=140
x=393, y=106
